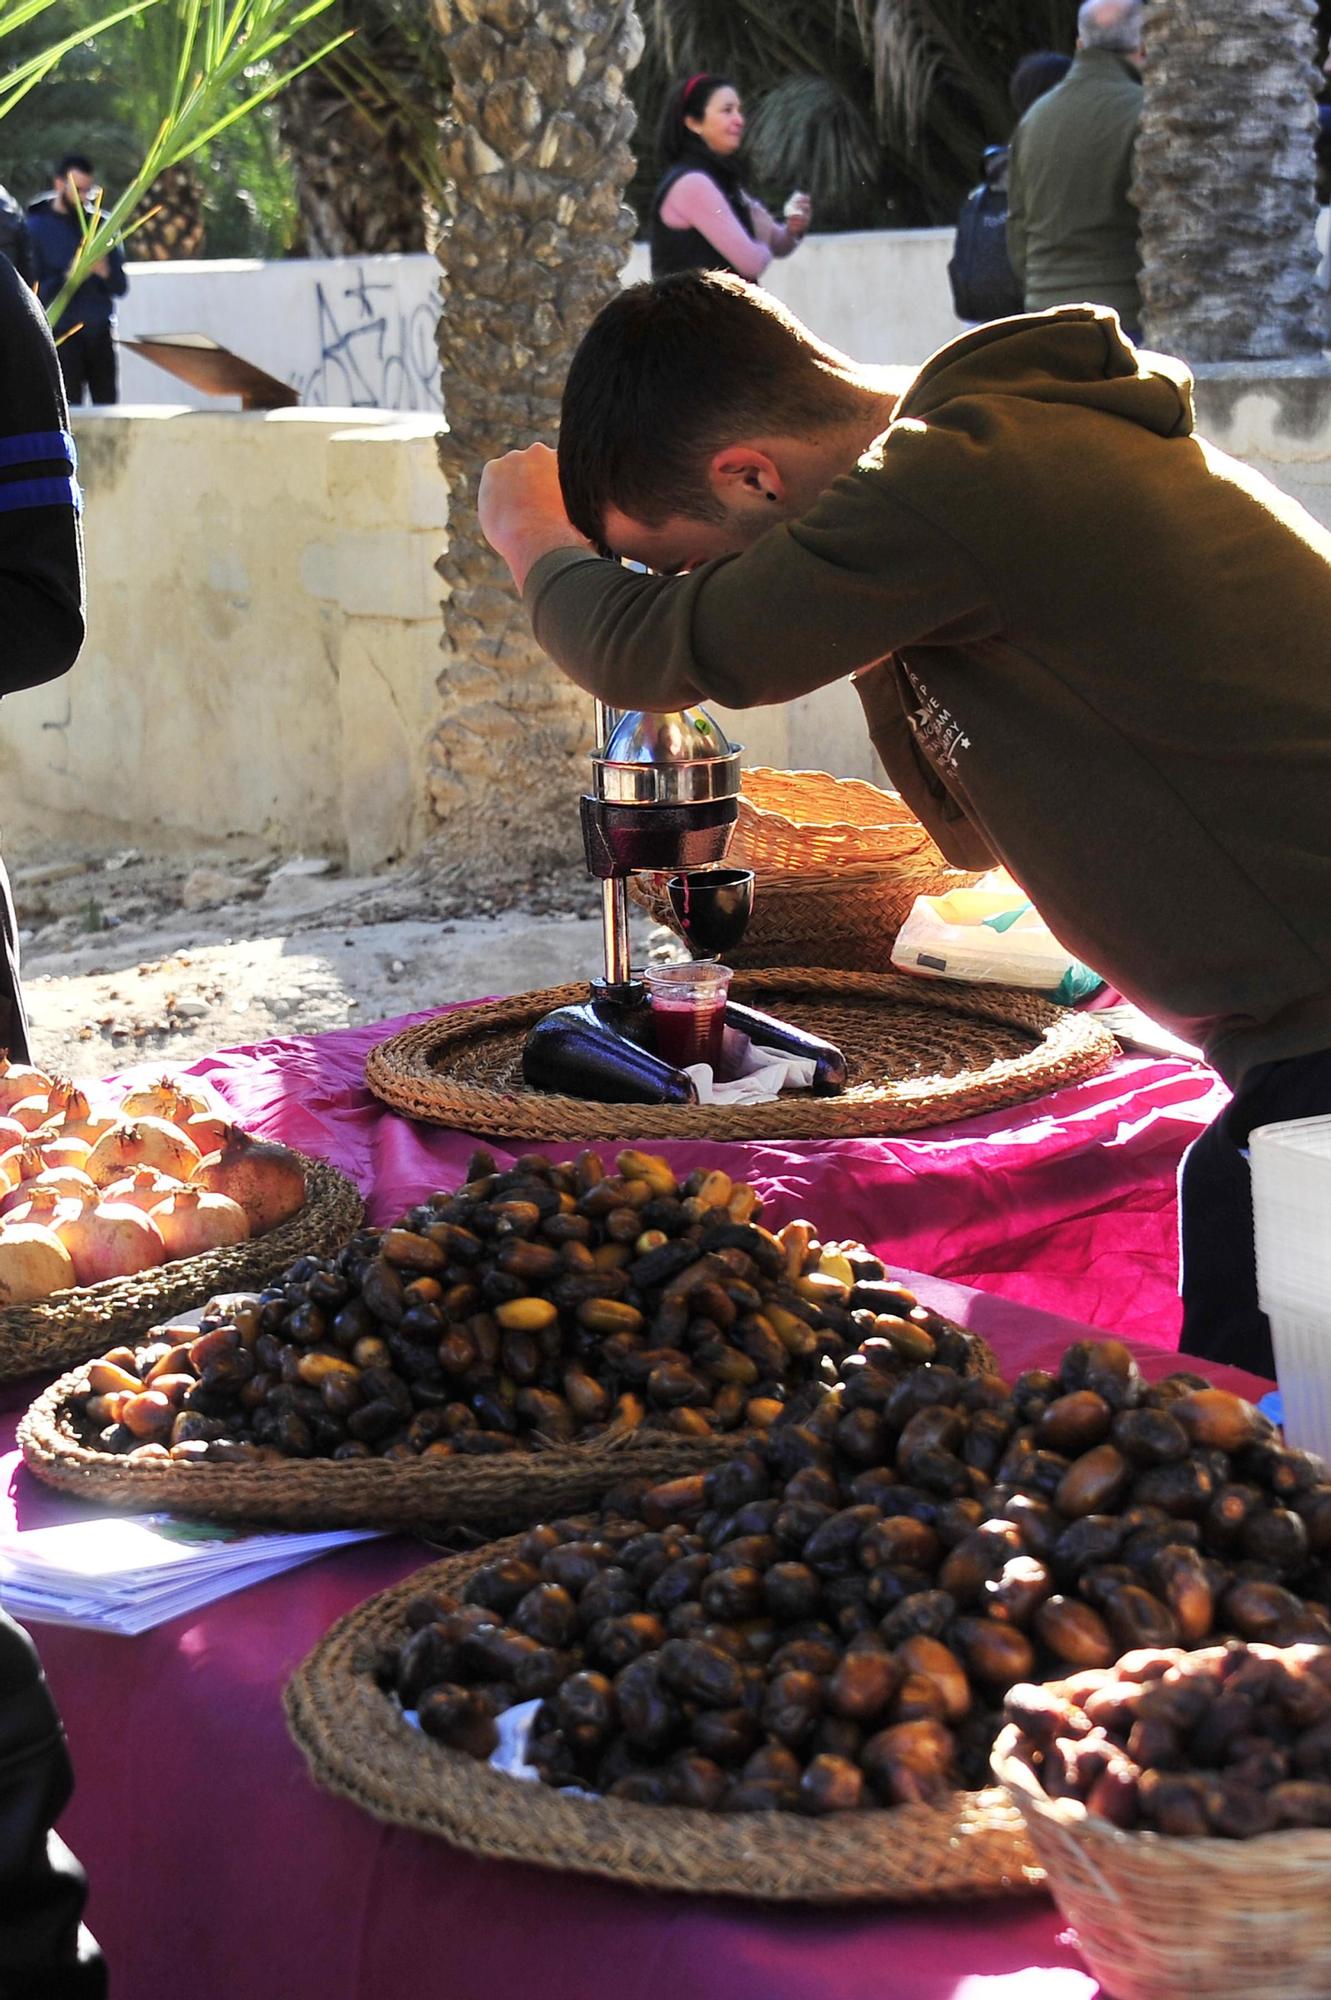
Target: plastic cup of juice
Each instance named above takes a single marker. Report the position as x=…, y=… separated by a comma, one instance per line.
x=688, y=1011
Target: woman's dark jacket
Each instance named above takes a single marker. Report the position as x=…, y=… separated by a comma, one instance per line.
x=688, y=249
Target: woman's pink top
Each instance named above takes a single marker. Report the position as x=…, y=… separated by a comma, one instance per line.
x=695, y=202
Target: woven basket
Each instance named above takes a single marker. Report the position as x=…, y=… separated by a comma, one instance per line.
x=1213, y=1919
x=495, y=1494
x=78, y=1324
x=839, y=865
x=790, y=821
x=919, y=1052
x=358, y=1746
x=847, y=918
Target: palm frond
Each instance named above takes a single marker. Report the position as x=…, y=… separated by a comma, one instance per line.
x=807, y=133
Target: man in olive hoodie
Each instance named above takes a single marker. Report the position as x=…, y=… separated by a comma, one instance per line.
x=1088, y=645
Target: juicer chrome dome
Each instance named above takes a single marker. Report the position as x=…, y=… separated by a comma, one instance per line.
x=667, y=759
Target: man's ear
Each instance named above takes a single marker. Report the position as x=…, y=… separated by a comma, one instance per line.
x=741, y=475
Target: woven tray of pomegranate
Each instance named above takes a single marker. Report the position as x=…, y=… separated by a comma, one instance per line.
x=509, y=1350
x=782, y=1677
x=120, y=1206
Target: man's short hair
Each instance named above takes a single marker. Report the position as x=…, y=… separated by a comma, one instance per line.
x=668, y=373
x=1111, y=24
x=75, y=163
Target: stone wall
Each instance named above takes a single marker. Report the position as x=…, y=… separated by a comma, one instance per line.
x=358, y=332
x=263, y=634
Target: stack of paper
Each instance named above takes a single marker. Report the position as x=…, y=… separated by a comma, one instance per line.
x=130, y=1572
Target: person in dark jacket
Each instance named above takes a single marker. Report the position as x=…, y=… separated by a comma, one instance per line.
x=45, y=1951
x=980, y=272
x=1072, y=229
x=702, y=219
x=41, y=551
x=86, y=328
x=15, y=241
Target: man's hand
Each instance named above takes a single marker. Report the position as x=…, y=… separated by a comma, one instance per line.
x=521, y=509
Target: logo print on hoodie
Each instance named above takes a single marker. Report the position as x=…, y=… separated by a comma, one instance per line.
x=937, y=731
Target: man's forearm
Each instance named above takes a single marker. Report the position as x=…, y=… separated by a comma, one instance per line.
x=524, y=549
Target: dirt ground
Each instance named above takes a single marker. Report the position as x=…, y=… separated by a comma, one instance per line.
x=130, y=955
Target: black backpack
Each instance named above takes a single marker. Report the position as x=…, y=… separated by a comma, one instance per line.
x=983, y=286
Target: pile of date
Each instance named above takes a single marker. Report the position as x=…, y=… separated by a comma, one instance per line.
x=831, y=1619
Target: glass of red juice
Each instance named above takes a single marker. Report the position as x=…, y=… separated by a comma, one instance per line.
x=688, y=1011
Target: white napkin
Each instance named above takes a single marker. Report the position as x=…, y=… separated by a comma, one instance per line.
x=756, y=1075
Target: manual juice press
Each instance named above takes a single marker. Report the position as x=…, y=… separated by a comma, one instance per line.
x=664, y=802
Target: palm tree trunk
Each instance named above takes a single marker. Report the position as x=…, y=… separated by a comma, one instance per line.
x=356, y=195
x=1225, y=179
x=534, y=235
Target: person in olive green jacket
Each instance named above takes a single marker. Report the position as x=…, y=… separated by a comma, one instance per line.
x=1072, y=230
x=1088, y=645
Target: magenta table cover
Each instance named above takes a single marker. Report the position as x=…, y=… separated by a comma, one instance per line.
x=218, y=1872
x=1067, y=1203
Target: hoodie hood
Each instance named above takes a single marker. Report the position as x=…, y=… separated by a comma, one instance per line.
x=1071, y=355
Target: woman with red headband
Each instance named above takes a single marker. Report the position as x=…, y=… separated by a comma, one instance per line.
x=702, y=220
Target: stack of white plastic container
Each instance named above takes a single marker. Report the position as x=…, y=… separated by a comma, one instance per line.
x=1291, y=1194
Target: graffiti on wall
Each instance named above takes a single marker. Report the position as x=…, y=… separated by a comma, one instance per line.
x=376, y=350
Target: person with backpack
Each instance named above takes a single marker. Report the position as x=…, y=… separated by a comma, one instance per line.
x=983, y=284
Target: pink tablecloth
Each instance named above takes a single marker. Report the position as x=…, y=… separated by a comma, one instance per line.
x=1066, y=1203
x=218, y=1871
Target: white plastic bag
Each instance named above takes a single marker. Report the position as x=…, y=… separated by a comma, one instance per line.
x=990, y=935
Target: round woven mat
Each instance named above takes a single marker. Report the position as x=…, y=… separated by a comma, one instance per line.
x=358, y=1745
x=496, y=1494
x=79, y=1324
x=499, y=1493
x=919, y=1052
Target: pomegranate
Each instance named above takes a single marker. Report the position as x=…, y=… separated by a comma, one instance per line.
x=144, y=1188
x=142, y=1142
x=79, y=1121
x=63, y=1152
x=30, y=1112
x=69, y=1181
x=163, y=1099
x=25, y=1160
x=194, y=1220
x=33, y=1264
x=20, y=1080
x=267, y=1180
x=46, y=1205
x=106, y=1240
x=209, y=1132
x=59, y=1096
